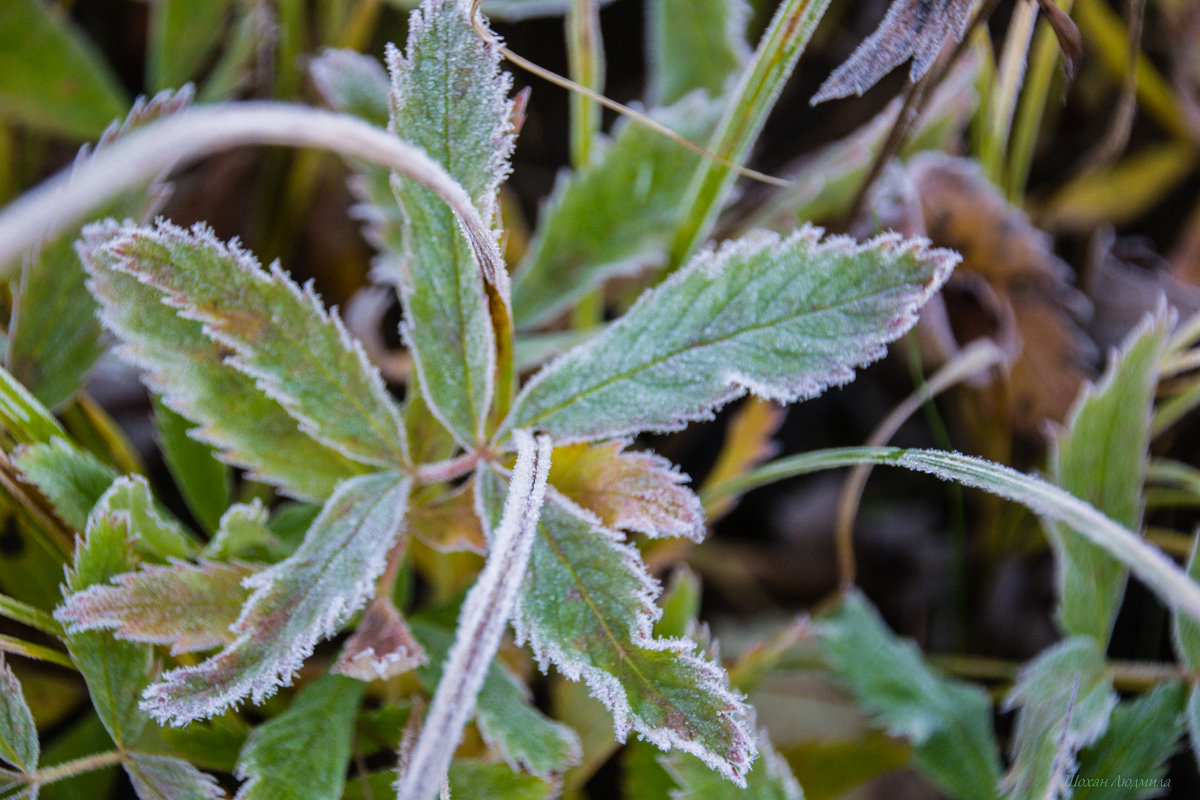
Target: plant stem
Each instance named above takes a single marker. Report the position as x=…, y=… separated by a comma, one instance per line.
x=69, y=769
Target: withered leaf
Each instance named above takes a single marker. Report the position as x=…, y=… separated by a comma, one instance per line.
x=382, y=647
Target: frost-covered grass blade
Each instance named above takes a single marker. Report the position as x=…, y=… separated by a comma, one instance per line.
x=188, y=369
x=781, y=317
x=294, y=604
x=280, y=335
x=18, y=732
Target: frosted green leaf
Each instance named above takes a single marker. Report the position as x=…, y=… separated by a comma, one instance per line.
x=782, y=318
x=52, y=77
x=156, y=534
x=506, y=718
x=1101, y=458
x=188, y=606
x=1065, y=697
x=1130, y=759
x=71, y=479
x=587, y=606
x=769, y=779
x=156, y=777
x=280, y=335
x=203, y=480
x=244, y=534
x=294, y=604
x=352, y=83
x=948, y=722
x=613, y=217
x=115, y=671
x=302, y=753
x=694, y=44
x=449, y=98
x=18, y=732
x=54, y=335
x=188, y=370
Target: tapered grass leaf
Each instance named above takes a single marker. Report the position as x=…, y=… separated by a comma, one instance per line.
x=481, y=623
x=1101, y=457
x=188, y=606
x=1185, y=630
x=614, y=216
x=782, y=317
x=51, y=77
x=188, y=369
x=1129, y=761
x=769, y=779
x=18, y=732
x=524, y=736
x=71, y=479
x=299, y=354
x=694, y=45
x=450, y=98
x=631, y=491
x=294, y=603
x=1065, y=697
x=302, y=753
x=156, y=777
x=948, y=722
x=587, y=606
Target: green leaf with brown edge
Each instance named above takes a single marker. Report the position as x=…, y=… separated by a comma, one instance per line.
x=157, y=777
x=948, y=722
x=628, y=490
x=506, y=718
x=1129, y=761
x=302, y=753
x=115, y=671
x=694, y=45
x=188, y=370
x=188, y=606
x=18, y=732
x=587, y=606
x=613, y=217
x=450, y=98
x=203, y=480
x=1101, y=457
x=71, y=479
x=769, y=779
x=51, y=77
x=275, y=332
x=294, y=604
x=1065, y=697
x=781, y=317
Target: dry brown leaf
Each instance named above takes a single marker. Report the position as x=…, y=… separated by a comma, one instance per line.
x=382, y=646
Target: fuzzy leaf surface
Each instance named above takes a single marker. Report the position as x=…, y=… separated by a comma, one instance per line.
x=188, y=369
x=115, y=671
x=783, y=318
x=302, y=753
x=1101, y=458
x=1065, y=697
x=633, y=491
x=1142, y=734
x=188, y=606
x=280, y=335
x=352, y=83
x=450, y=98
x=18, y=732
x=769, y=779
x=294, y=603
x=948, y=722
x=694, y=45
x=613, y=217
x=587, y=606
x=244, y=534
x=156, y=777
x=507, y=719
x=156, y=533
x=71, y=479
